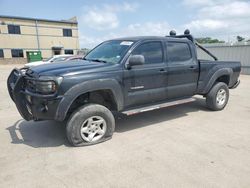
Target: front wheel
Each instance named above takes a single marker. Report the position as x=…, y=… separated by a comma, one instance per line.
x=217, y=97
x=90, y=124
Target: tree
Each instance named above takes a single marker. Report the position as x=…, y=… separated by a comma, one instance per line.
x=240, y=39
x=208, y=40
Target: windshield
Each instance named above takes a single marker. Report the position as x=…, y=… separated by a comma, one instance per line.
x=110, y=51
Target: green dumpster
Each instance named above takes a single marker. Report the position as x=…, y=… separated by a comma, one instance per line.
x=34, y=56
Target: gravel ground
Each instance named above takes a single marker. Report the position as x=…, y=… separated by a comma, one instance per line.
x=181, y=146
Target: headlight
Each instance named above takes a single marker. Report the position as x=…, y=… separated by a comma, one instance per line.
x=45, y=84
x=46, y=87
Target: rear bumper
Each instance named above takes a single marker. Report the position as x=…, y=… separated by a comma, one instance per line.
x=235, y=85
x=31, y=106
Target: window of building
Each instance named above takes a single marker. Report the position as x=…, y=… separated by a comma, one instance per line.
x=68, y=52
x=178, y=51
x=14, y=29
x=152, y=52
x=17, y=53
x=67, y=32
x=1, y=53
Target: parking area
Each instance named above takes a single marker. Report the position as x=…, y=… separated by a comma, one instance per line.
x=181, y=146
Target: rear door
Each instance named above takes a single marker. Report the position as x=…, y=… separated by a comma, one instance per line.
x=183, y=69
x=146, y=83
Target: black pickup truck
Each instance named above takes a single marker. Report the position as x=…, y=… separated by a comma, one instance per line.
x=126, y=75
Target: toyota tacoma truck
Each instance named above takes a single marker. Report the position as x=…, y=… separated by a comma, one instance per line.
x=126, y=75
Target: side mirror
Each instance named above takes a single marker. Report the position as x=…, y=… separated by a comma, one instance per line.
x=136, y=60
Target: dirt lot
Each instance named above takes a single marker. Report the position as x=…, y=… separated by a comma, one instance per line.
x=182, y=146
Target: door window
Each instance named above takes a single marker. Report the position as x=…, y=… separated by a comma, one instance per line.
x=152, y=52
x=178, y=51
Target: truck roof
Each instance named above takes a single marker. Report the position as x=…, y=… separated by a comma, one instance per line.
x=138, y=38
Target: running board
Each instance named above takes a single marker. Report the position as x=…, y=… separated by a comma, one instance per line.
x=158, y=106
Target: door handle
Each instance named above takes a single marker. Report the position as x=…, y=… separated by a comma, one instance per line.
x=192, y=67
x=162, y=71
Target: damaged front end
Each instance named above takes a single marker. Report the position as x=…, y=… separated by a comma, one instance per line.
x=36, y=98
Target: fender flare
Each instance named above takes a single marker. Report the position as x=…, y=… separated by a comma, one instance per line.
x=215, y=76
x=88, y=86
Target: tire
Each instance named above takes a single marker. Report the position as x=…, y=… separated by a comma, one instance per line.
x=217, y=97
x=90, y=124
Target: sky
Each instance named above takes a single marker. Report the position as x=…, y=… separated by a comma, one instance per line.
x=100, y=20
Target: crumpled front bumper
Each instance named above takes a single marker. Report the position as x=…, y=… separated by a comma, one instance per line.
x=31, y=106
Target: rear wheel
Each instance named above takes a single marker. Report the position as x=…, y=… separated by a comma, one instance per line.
x=90, y=124
x=217, y=97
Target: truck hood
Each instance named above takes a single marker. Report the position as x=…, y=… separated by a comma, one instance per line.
x=68, y=68
x=36, y=63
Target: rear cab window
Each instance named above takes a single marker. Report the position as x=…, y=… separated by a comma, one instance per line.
x=178, y=52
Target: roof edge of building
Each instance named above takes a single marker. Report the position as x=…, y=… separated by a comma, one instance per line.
x=39, y=19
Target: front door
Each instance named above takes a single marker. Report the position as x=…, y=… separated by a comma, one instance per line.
x=146, y=83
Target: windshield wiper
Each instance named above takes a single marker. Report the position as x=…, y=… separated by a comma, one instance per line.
x=96, y=60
